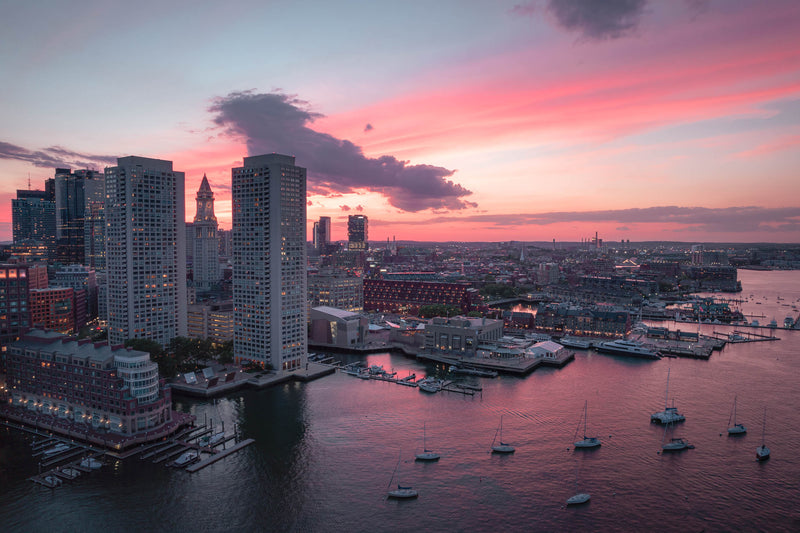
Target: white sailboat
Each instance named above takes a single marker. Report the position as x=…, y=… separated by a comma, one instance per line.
x=587, y=442
x=426, y=455
x=736, y=428
x=669, y=415
x=579, y=497
x=401, y=492
x=501, y=447
x=762, y=452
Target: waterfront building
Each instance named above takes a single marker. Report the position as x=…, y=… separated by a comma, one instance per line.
x=561, y=319
x=33, y=218
x=94, y=223
x=332, y=287
x=145, y=250
x=390, y=296
x=461, y=335
x=714, y=277
x=94, y=384
x=322, y=234
x=54, y=308
x=211, y=320
x=70, y=205
x=205, y=259
x=269, y=262
x=357, y=233
x=337, y=327
x=80, y=277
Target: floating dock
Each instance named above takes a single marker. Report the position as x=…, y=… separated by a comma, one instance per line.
x=219, y=455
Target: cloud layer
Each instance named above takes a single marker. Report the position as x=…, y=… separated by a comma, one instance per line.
x=705, y=219
x=276, y=122
x=594, y=19
x=55, y=156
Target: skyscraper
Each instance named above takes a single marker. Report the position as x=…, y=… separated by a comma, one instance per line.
x=33, y=218
x=145, y=250
x=205, y=259
x=94, y=224
x=357, y=235
x=70, y=193
x=269, y=261
x=322, y=233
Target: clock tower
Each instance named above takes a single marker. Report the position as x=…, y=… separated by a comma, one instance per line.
x=206, y=247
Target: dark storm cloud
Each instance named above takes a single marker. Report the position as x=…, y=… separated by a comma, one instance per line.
x=594, y=19
x=722, y=220
x=277, y=122
x=55, y=156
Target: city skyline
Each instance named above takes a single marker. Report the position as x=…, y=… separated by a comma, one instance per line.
x=529, y=121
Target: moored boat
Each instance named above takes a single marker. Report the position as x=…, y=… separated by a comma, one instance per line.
x=426, y=454
x=627, y=348
x=187, y=458
x=429, y=384
x=586, y=442
x=501, y=447
x=762, y=452
x=578, y=499
x=575, y=342
x=736, y=428
x=91, y=462
x=469, y=371
x=669, y=415
x=55, y=450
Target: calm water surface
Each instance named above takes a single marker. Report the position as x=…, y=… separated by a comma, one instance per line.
x=325, y=451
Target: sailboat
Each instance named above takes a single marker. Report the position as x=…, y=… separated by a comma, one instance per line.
x=401, y=492
x=502, y=447
x=587, y=442
x=669, y=415
x=675, y=444
x=579, y=497
x=762, y=452
x=426, y=454
x=736, y=428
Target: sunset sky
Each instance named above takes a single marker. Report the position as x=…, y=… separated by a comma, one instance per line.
x=441, y=121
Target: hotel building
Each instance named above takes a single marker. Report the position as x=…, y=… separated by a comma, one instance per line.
x=145, y=250
x=100, y=386
x=269, y=262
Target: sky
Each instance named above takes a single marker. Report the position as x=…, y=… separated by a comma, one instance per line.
x=674, y=120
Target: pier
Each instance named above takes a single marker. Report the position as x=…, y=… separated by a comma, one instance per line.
x=219, y=455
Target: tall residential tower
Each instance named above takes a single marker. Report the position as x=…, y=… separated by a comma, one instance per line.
x=269, y=262
x=145, y=250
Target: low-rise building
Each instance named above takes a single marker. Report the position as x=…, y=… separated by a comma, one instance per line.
x=391, y=296
x=461, y=335
x=337, y=327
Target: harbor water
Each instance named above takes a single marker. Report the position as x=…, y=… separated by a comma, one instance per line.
x=326, y=452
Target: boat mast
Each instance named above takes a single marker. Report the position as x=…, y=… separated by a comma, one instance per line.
x=585, y=416
x=666, y=396
x=764, y=429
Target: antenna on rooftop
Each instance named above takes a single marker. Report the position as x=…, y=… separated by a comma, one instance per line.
x=29, y=181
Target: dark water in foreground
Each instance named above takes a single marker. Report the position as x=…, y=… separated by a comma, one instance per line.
x=325, y=452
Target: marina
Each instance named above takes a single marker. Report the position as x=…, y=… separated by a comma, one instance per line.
x=329, y=447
